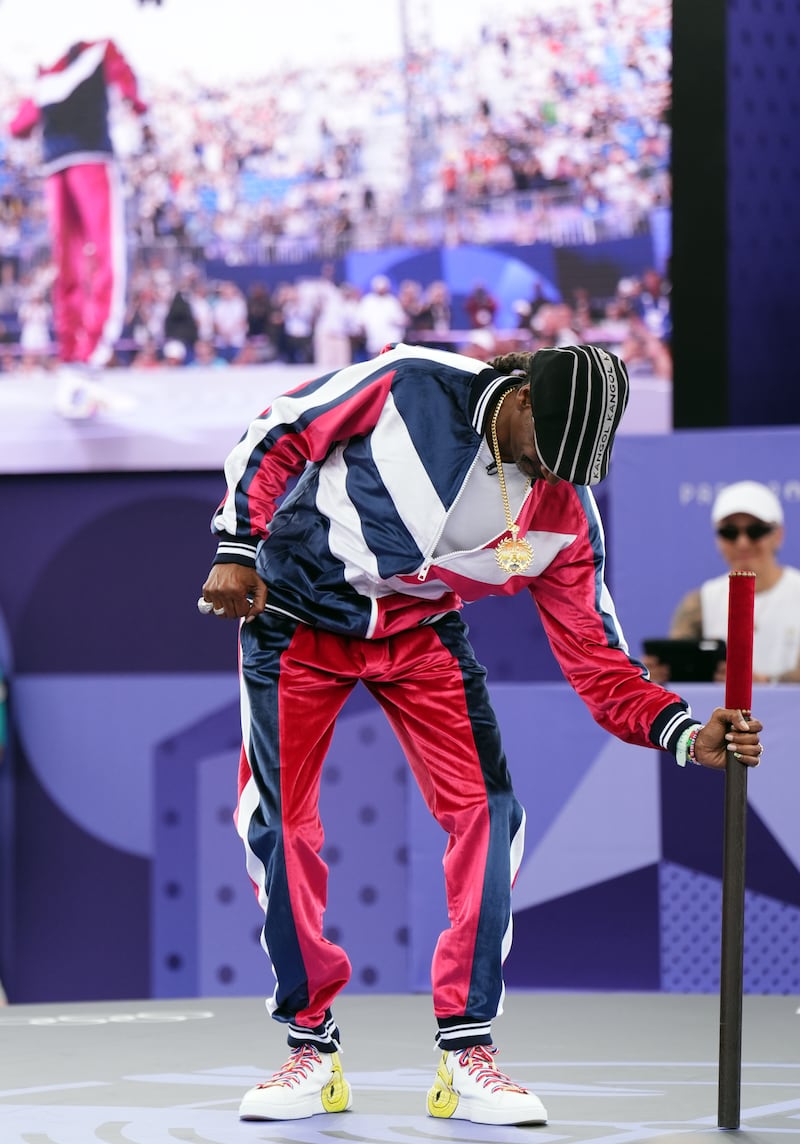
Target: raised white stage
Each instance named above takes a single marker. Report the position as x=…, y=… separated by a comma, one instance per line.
x=182, y=419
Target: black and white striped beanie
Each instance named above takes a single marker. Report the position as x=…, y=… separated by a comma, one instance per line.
x=578, y=396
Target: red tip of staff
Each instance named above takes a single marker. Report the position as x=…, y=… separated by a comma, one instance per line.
x=739, y=665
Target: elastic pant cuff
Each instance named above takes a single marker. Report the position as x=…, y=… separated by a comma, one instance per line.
x=324, y=1037
x=461, y=1033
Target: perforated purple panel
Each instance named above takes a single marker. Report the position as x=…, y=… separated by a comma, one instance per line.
x=691, y=927
x=763, y=171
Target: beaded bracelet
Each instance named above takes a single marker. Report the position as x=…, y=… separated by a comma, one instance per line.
x=690, y=755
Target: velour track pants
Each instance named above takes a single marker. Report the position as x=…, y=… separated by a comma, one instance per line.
x=87, y=222
x=295, y=680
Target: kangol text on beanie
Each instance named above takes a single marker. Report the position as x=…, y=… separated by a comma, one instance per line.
x=578, y=396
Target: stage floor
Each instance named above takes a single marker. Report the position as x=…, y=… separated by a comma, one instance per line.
x=610, y=1068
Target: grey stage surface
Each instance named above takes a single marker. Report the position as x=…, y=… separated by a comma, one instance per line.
x=611, y=1068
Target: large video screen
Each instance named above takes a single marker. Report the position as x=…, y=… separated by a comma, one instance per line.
x=497, y=176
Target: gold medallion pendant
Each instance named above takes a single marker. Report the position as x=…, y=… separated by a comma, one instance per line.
x=514, y=554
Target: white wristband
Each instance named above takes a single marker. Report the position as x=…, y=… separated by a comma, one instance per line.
x=680, y=750
x=684, y=751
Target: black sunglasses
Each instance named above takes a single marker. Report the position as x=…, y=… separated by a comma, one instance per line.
x=756, y=531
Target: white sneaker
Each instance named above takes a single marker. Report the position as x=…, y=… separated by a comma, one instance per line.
x=308, y=1083
x=76, y=397
x=469, y=1086
x=80, y=395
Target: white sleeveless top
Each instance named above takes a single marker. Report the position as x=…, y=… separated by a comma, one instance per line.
x=776, y=636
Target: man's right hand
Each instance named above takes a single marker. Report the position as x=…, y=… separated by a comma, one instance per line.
x=234, y=591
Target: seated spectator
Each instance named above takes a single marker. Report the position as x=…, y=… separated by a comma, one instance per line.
x=200, y=299
x=147, y=356
x=230, y=319
x=652, y=304
x=180, y=324
x=436, y=314
x=748, y=520
x=644, y=354
x=298, y=325
x=355, y=333
x=409, y=295
x=331, y=340
x=174, y=353
x=205, y=354
x=258, y=310
x=35, y=314
x=481, y=307
x=250, y=354
x=555, y=325
x=434, y=317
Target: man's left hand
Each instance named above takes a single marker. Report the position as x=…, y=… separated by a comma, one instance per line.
x=729, y=733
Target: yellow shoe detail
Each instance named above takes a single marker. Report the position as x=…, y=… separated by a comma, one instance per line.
x=336, y=1093
x=442, y=1097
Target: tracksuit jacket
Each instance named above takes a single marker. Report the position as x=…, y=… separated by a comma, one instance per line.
x=382, y=451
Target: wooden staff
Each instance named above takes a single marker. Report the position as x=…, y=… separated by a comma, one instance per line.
x=738, y=694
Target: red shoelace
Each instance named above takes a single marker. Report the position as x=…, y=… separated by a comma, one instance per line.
x=300, y=1063
x=478, y=1060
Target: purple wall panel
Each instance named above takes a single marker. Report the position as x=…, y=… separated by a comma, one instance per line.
x=604, y=937
x=88, y=596
x=763, y=216
x=79, y=920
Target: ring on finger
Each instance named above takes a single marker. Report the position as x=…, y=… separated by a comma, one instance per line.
x=219, y=611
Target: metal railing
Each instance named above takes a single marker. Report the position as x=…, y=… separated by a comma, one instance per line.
x=556, y=218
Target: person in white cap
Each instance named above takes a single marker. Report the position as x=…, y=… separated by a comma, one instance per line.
x=381, y=316
x=747, y=518
x=424, y=480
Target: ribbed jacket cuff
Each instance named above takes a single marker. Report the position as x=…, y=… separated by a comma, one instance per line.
x=235, y=550
x=669, y=725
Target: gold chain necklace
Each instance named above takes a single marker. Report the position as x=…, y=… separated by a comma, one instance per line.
x=514, y=554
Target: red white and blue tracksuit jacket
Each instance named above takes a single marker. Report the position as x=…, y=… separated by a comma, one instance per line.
x=383, y=450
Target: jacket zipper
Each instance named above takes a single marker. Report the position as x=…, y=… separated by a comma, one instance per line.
x=428, y=560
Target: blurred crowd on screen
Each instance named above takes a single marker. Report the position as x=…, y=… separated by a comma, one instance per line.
x=317, y=320
x=553, y=126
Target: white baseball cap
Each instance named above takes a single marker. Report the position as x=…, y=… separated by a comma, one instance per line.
x=174, y=350
x=748, y=497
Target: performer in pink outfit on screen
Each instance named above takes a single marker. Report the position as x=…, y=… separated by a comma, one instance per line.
x=70, y=104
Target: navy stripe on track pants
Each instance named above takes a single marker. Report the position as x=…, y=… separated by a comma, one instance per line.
x=295, y=680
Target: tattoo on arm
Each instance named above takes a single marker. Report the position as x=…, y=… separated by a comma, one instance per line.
x=687, y=621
